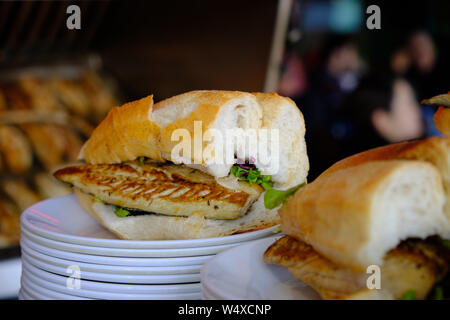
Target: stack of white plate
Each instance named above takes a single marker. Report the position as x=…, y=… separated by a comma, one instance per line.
x=66, y=254
x=241, y=274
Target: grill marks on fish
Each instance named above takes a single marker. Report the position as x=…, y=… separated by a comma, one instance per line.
x=172, y=184
x=155, y=183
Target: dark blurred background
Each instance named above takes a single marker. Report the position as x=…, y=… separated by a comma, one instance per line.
x=159, y=47
x=360, y=88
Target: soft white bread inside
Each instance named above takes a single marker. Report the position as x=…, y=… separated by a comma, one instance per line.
x=355, y=215
x=140, y=128
x=283, y=115
x=218, y=111
x=161, y=227
x=435, y=150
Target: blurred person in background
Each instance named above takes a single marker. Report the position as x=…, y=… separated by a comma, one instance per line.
x=328, y=86
x=400, y=61
x=427, y=73
x=383, y=110
x=293, y=81
x=423, y=72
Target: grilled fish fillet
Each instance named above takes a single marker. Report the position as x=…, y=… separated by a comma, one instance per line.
x=161, y=188
x=413, y=265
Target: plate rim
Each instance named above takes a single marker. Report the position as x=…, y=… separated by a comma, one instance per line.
x=108, y=285
x=121, y=252
x=223, y=294
x=101, y=277
x=103, y=260
x=103, y=294
x=104, y=268
x=40, y=293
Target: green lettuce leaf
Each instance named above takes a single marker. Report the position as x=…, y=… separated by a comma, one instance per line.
x=252, y=176
x=273, y=198
x=121, y=212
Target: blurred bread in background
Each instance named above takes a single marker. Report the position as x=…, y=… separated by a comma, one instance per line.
x=45, y=117
x=10, y=224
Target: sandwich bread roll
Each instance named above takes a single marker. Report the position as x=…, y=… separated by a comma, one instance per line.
x=354, y=216
x=114, y=174
x=386, y=208
x=414, y=266
x=141, y=128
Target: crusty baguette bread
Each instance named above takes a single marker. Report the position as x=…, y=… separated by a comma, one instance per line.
x=140, y=128
x=435, y=150
x=160, y=227
x=355, y=215
x=126, y=133
x=442, y=120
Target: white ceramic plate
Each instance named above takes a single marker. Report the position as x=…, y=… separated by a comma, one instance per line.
x=107, y=295
x=109, y=269
x=115, y=261
x=121, y=252
x=241, y=273
x=25, y=295
x=206, y=295
x=115, y=287
x=21, y=296
x=63, y=219
x=39, y=293
x=117, y=278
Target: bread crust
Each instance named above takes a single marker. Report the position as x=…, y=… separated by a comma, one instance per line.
x=141, y=128
x=434, y=150
x=126, y=133
x=294, y=163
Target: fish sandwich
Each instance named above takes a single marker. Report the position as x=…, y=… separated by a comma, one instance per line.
x=133, y=183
